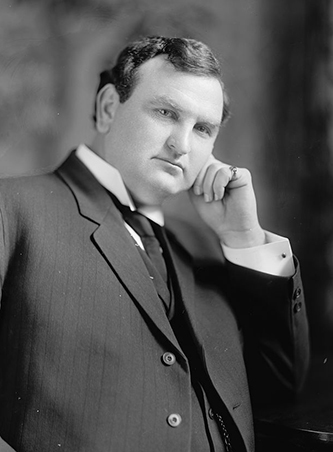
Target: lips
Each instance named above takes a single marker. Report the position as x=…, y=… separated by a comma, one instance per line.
x=171, y=162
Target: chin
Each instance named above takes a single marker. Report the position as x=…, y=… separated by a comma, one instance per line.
x=170, y=190
x=155, y=196
x=158, y=189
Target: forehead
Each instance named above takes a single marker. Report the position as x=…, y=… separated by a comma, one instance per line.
x=158, y=77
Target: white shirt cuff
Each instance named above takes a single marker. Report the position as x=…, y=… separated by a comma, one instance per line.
x=274, y=257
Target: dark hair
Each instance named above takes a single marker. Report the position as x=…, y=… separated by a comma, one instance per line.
x=186, y=55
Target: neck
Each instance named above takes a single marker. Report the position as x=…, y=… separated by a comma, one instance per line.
x=98, y=145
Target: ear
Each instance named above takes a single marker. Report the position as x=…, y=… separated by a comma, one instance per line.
x=107, y=102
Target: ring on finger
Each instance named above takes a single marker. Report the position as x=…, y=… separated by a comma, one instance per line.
x=233, y=170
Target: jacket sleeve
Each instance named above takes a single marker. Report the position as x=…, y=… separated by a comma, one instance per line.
x=273, y=317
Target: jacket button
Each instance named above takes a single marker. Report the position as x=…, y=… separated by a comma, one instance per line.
x=174, y=420
x=169, y=358
x=297, y=307
x=297, y=293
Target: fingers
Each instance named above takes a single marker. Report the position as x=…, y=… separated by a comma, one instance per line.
x=213, y=179
x=214, y=183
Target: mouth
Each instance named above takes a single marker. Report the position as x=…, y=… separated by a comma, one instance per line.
x=171, y=162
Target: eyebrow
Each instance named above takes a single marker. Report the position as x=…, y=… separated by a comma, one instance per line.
x=174, y=105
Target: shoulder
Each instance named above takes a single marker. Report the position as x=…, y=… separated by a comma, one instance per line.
x=36, y=183
x=31, y=196
x=28, y=181
x=28, y=188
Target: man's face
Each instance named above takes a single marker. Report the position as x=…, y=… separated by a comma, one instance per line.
x=164, y=133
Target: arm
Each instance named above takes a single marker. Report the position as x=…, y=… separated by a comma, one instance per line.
x=271, y=308
x=272, y=313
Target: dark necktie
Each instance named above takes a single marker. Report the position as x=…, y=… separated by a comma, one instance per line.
x=152, y=253
x=152, y=236
x=144, y=229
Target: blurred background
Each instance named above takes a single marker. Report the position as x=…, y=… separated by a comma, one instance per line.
x=277, y=64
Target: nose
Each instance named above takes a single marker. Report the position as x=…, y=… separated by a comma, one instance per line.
x=179, y=142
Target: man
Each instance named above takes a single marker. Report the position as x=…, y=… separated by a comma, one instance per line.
x=108, y=345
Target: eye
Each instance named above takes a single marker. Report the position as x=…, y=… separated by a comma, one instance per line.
x=166, y=113
x=204, y=130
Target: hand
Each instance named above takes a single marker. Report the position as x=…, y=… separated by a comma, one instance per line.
x=226, y=202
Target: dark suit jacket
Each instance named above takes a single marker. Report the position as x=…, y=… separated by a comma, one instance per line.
x=82, y=331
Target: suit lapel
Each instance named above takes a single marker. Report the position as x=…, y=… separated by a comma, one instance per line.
x=113, y=241
x=115, y=244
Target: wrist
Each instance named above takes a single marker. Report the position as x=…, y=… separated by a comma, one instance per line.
x=244, y=239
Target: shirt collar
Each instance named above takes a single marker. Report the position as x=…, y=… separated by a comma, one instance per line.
x=110, y=178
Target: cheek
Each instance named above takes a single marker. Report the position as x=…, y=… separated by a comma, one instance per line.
x=145, y=127
x=153, y=134
x=198, y=159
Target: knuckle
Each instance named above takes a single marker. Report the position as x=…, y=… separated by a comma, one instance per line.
x=247, y=173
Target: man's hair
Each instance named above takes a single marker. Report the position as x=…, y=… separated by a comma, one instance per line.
x=186, y=55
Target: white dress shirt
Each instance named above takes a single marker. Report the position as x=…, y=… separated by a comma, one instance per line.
x=274, y=257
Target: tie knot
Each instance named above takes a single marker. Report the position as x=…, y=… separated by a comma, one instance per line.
x=138, y=222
